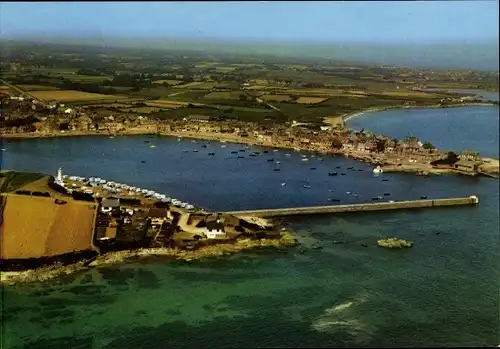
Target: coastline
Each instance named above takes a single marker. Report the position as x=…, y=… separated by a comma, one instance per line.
x=232, y=138
x=347, y=117
x=49, y=272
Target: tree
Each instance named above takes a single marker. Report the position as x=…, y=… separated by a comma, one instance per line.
x=428, y=146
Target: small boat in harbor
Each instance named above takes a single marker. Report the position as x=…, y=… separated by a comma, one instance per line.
x=307, y=186
x=211, y=153
x=193, y=141
x=247, y=147
x=178, y=139
x=152, y=146
x=338, y=166
x=385, y=179
x=252, y=155
x=275, y=150
x=423, y=197
x=313, y=168
x=334, y=200
x=234, y=152
x=204, y=146
x=240, y=157
x=355, y=195
x=276, y=169
x=350, y=168
x=223, y=146
x=195, y=150
x=348, y=192
x=377, y=170
x=380, y=197
x=387, y=194
x=185, y=150
x=342, y=174
x=332, y=173
x=242, y=150
x=375, y=198
x=360, y=169
x=278, y=162
x=143, y=162
x=288, y=154
x=265, y=151
x=283, y=184
x=270, y=160
x=305, y=159
x=3, y=149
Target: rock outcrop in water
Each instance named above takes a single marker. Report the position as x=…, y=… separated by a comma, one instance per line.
x=394, y=243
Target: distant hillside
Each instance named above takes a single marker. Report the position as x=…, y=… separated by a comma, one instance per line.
x=476, y=56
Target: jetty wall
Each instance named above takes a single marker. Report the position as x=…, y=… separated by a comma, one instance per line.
x=366, y=207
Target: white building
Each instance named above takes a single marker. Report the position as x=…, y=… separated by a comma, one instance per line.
x=59, y=175
x=215, y=230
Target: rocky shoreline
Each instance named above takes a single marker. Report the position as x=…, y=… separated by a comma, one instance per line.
x=41, y=274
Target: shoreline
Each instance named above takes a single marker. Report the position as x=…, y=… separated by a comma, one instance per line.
x=49, y=272
x=347, y=117
x=231, y=138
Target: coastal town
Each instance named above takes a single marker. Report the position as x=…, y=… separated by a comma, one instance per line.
x=393, y=155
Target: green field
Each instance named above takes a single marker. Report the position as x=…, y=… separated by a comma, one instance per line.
x=11, y=181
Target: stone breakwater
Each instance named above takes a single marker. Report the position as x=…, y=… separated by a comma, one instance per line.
x=286, y=239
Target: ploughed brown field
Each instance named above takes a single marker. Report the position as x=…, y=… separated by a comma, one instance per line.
x=34, y=227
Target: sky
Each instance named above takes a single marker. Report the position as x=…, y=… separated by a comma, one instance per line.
x=368, y=22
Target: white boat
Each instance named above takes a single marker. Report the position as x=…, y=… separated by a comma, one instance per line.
x=275, y=150
x=3, y=149
x=305, y=159
x=283, y=184
x=152, y=146
x=348, y=192
x=278, y=162
x=288, y=154
x=223, y=146
x=378, y=169
x=189, y=207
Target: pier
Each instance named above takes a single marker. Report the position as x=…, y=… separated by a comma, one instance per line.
x=366, y=207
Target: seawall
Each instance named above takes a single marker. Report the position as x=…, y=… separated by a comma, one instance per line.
x=378, y=206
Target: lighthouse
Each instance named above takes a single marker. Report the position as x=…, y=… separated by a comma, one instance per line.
x=59, y=175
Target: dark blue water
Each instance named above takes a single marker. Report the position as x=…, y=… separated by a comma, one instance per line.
x=457, y=129
x=442, y=292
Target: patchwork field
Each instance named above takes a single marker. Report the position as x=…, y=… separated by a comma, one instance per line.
x=310, y=100
x=162, y=103
x=34, y=227
x=276, y=98
x=70, y=95
x=223, y=95
x=37, y=88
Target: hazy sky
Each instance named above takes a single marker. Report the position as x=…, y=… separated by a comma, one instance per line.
x=376, y=22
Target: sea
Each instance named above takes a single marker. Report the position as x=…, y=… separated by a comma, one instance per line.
x=443, y=292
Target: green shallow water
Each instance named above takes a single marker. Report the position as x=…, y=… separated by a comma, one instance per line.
x=442, y=292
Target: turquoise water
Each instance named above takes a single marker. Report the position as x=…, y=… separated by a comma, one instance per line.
x=442, y=292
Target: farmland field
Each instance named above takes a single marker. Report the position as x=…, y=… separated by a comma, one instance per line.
x=223, y=95
x=199, y=85
x=310, y=100
x=162, y=103
x=37, y=88
x=35, y=227
x=70, y=95
x=276, y=98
